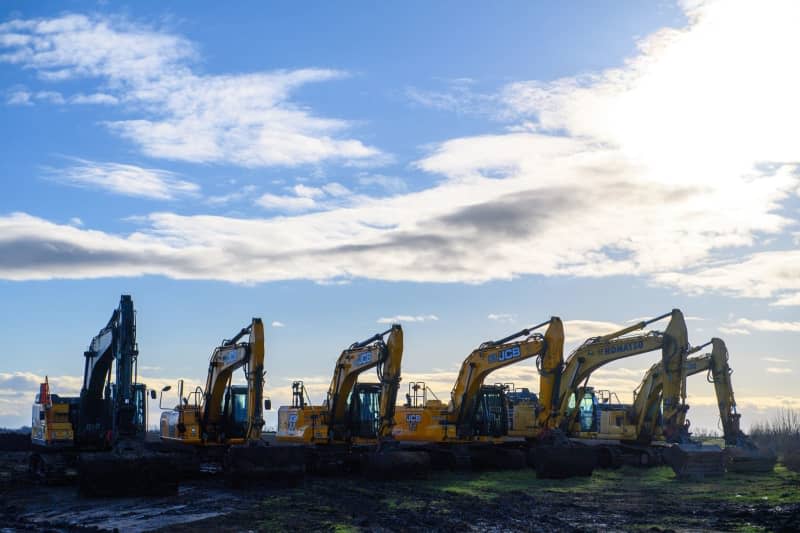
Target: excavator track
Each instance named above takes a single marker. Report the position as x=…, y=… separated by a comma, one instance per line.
x=695, y=461
x=492, y=457
x=743, y=460
x=257, y=462
x=395, y=464
x=53, y=467
x=127, y=471
x=560, y=462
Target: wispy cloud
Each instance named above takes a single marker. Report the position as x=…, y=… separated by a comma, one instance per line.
x=787, y=300
x=391, y=184
x=285, y=202
x=127, y=180
x=501, y=317
x=95, y=98
x=455, y=95
x=775, y=360
x=278, y=324
x=238, y=195
x=244, y=119
x=778, y=370
x=406, y=318
x=305, y=198
x=580, y=330
x=733, y=331
x=25, y=97
x=747, y=325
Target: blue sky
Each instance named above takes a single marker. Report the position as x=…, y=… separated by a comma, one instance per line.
x=469, y=167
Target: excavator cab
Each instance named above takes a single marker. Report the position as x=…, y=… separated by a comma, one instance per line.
x=234, y=411
x=364, y=410
x=491, y=412
x=140, y=408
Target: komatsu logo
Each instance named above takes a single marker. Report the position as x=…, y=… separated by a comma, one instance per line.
x=364, y=358
x=504, y=355
x=627, y=347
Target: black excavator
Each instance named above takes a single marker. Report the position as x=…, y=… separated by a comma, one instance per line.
x=99, y=437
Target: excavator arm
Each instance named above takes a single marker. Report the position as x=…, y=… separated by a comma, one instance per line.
x=114, y=346
x=358, y=358
x=225, y=360
x=647, y=396
x=599, y=351
x=493, y=355
x=389, y=373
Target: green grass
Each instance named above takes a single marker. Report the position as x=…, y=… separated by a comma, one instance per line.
x=779, y=487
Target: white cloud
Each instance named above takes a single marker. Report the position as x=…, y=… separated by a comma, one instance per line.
x=599, y=173
x=580, y=330
x=390, y=184
x=75, y=221
x=240, y=194
x=759, y=275
x=779, y=370
x=792, y=299
x=307, y=192
x=766, y=325
x=775, y=360
x=336, y=189
x=750, y=401
x=127, y=180
x=278, y=324
x=244, y=119
x=501, y=317
x=457, y=95
x=52, y=97
x=19, y=98
x=94, y=98
x=406, y=318
x=733, y=331
x=285, y=202
x=305, y=198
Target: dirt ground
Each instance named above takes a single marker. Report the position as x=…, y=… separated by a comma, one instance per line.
x=623, y=500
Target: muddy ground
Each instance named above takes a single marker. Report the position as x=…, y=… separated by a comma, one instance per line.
x=626, y=499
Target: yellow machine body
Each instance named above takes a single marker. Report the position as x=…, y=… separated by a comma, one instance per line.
x=222, y=413
x=50, y=424
x=475, y=412
x=353, y=412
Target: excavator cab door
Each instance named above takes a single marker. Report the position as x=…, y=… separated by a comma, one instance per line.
x=364, y=411
x=491, y=412
x=589, y=414
x=140, y=408
x=234, y=411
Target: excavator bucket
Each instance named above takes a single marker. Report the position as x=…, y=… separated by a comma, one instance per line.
x=258, y=462
x=395, y=464
x=127, y=471
x=560, y=462
x=744, y=460
x=695, y=461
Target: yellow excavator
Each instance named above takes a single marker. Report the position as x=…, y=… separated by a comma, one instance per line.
x=742, y=454
x=218, y=428
x=556, y=416
x=623, y=432
x=474, y=428
x=352, y=429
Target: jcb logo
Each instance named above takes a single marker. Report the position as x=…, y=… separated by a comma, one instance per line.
x=504, y=355
x=364, y=358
